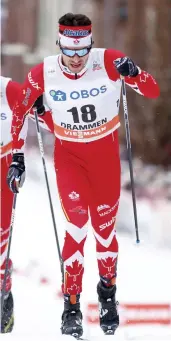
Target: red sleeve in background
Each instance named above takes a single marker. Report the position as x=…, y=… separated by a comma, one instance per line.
x=12, y=92
x=31, y=89
x=143, y=83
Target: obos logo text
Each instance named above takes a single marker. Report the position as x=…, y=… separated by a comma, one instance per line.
x=62, y=96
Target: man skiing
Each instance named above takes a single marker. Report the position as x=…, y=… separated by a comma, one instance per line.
x=9, y=92
x=82, y=87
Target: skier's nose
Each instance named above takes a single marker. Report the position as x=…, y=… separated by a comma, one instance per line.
x=76, y=58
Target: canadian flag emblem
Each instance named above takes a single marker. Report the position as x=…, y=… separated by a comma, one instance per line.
x=76, y=41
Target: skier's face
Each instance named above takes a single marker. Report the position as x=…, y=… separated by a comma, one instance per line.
x=76, y=62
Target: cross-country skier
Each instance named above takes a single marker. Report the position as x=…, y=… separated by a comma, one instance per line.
x=9, y=92
x=82, y=87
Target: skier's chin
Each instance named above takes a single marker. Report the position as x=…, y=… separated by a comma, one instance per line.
x=76, y=68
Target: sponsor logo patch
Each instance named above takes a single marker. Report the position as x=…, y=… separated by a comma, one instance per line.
x=58, y=96
x=27, y=94
x=109, y=210
x=102, y=207
x=109, y=223
x=96, y=66
x=78, y=209
x=74, y=196
x=32, y=82
x=75, y=33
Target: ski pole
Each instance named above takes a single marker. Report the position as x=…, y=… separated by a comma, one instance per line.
x=128, y=140
x=8, y=250
x=41, y=148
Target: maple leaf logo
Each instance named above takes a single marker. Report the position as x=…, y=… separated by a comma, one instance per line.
x=73, y=290
x=108, y=263
x=75, y=270
x=143, y=77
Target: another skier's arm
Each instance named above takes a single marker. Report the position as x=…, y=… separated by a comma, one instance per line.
x=32, y=88
x=30, y=91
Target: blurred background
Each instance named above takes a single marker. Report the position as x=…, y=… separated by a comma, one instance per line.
x=142, y=30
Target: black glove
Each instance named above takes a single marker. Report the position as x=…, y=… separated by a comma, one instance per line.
x=126, y=67
x=39, y=106
x=16, y=172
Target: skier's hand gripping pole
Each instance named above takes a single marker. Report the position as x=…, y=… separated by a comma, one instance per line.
x=128, y=140
x=48, y=189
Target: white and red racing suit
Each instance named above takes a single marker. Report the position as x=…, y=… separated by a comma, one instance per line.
x=85, y=112
x=9, y=92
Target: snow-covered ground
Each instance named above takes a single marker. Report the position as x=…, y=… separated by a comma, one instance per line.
x=143, y=270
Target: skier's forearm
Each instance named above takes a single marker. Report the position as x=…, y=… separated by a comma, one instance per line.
x=45, y=120
x=144, y=84
x=117, y=63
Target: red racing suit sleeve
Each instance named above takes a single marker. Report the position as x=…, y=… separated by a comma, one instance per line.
x=13, y=90
x=31, y=89
x=143, y=83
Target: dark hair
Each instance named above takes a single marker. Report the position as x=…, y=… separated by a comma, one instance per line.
x=71, y=19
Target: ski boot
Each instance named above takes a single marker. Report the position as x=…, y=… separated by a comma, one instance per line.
x=7, y=314
x=108, y=314
x=72, y=317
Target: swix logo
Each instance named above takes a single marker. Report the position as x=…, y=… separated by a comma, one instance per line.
x=125, y=109
x=32, y=82
x=102, y=207
x=74, y=196
x=109, y=223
